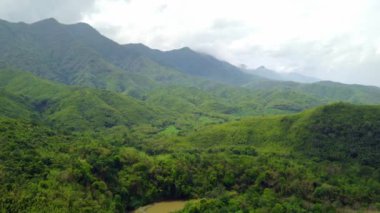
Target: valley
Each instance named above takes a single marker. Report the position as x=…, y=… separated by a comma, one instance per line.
x=89, y=125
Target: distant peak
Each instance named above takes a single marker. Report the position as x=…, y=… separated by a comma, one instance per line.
x=185, y=49
x=261, y=67
x=53, y=20
x=136, y=45
x=83, y=27
x=47, y=21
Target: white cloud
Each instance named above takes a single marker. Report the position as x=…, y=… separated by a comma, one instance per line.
x=66, y=11
x=330, y=39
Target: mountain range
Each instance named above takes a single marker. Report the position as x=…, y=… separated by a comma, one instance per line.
x=273, y=75
x=90, y=125
x=78, y=55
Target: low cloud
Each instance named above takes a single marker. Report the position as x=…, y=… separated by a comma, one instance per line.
x=66, y=11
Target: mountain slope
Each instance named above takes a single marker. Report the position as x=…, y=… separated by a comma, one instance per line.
x=195, y=64
x=77, y=54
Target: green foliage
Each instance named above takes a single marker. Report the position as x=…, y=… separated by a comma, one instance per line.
x=50, y=170
x=166, y=128
x=342, y=132
x=71, y=108
x=81, y=149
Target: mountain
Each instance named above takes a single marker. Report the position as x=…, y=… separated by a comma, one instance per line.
x=273, y=75
x=195, y=64
x=78, y=54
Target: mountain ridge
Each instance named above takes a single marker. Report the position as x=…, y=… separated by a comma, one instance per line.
x=47, y=36
x=274, y=75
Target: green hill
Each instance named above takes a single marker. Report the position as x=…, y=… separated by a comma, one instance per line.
x=337, y=132
x=184, y=108
x=31, y=98
x=341, y=132
x=336, y=147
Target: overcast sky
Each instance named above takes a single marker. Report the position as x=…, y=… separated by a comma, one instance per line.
x=330, y=39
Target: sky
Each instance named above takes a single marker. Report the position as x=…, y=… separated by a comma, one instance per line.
x=335, y=40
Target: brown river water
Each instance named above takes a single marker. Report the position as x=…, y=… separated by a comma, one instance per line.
x=161, y=207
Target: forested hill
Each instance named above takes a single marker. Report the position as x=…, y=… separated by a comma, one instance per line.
x=284, y=163
x=338, y=132
x=175, y=107
x=30, y=98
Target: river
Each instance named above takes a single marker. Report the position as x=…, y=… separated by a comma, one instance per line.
x=162, y=207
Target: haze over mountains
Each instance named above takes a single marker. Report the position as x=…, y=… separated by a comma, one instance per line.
x=273, y=75
x=90, y=125
x=83, y=38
